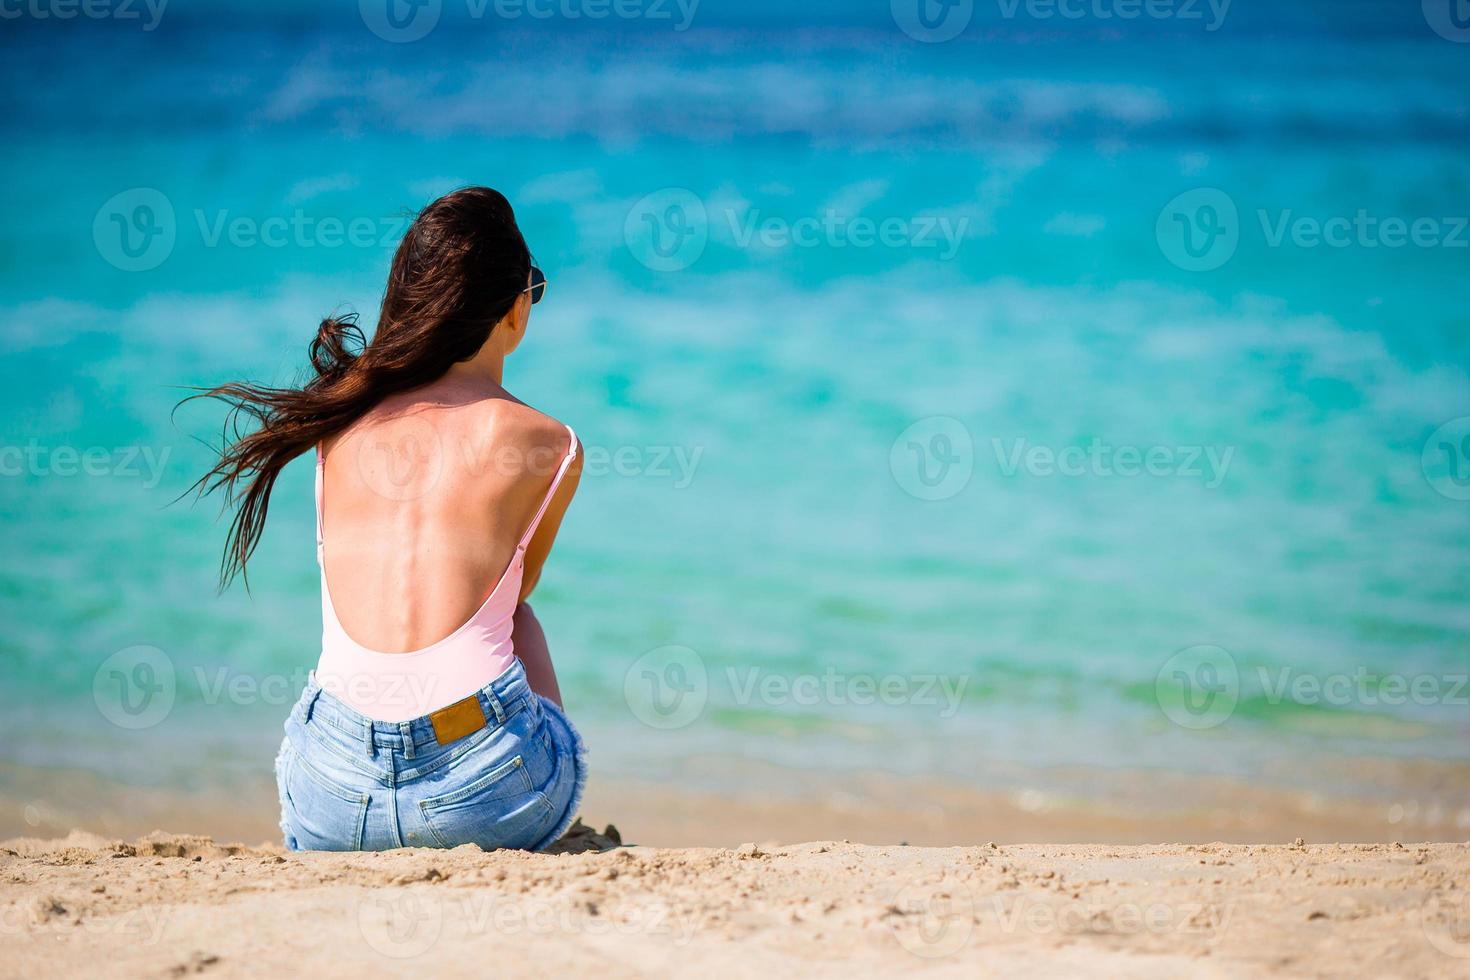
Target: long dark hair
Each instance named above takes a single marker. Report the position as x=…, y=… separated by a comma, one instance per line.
x=458, y=271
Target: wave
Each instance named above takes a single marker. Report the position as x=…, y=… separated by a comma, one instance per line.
x=716, y=87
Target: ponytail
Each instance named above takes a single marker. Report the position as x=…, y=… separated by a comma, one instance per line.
x=458, y=271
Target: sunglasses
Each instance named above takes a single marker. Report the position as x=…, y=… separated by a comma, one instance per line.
x=537, y=289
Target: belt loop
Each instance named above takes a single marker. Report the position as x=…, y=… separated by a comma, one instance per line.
x=372, y=741
x=405, y=731
x=495, y=706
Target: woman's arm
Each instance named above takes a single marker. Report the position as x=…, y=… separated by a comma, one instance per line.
x=535, y=656
x=530, y=639
x=545, y=535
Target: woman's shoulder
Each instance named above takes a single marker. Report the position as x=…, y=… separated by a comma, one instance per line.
x=510, y=424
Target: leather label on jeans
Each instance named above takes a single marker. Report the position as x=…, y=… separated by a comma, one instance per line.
x=458, y=720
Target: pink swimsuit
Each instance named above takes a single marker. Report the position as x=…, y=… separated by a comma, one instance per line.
x=398, y=687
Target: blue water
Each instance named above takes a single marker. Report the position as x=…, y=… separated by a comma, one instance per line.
x=763, y=516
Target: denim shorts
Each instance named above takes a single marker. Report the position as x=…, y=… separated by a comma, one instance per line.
x=348, y=783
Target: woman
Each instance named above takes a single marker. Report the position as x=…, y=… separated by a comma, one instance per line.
x=433, y=718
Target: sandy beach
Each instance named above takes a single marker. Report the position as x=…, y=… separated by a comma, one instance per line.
x=172, y=905
x=1017, y=525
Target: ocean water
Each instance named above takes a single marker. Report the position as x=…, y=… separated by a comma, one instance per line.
x=1073, y=394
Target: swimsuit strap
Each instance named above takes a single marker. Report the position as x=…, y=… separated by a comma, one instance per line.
x=320, y=463
x=561, y=471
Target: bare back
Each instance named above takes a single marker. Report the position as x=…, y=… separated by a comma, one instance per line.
x=424, y=502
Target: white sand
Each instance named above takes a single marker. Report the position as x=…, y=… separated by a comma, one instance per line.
x=172, y=905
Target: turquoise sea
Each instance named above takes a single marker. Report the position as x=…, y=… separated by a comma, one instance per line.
x=1072, y=395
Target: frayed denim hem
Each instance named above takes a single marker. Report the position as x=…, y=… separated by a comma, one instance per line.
x=579, y=761
x=288, y=839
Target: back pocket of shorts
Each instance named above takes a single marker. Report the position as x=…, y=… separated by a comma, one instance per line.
x=316, y=812
x=500, y=808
